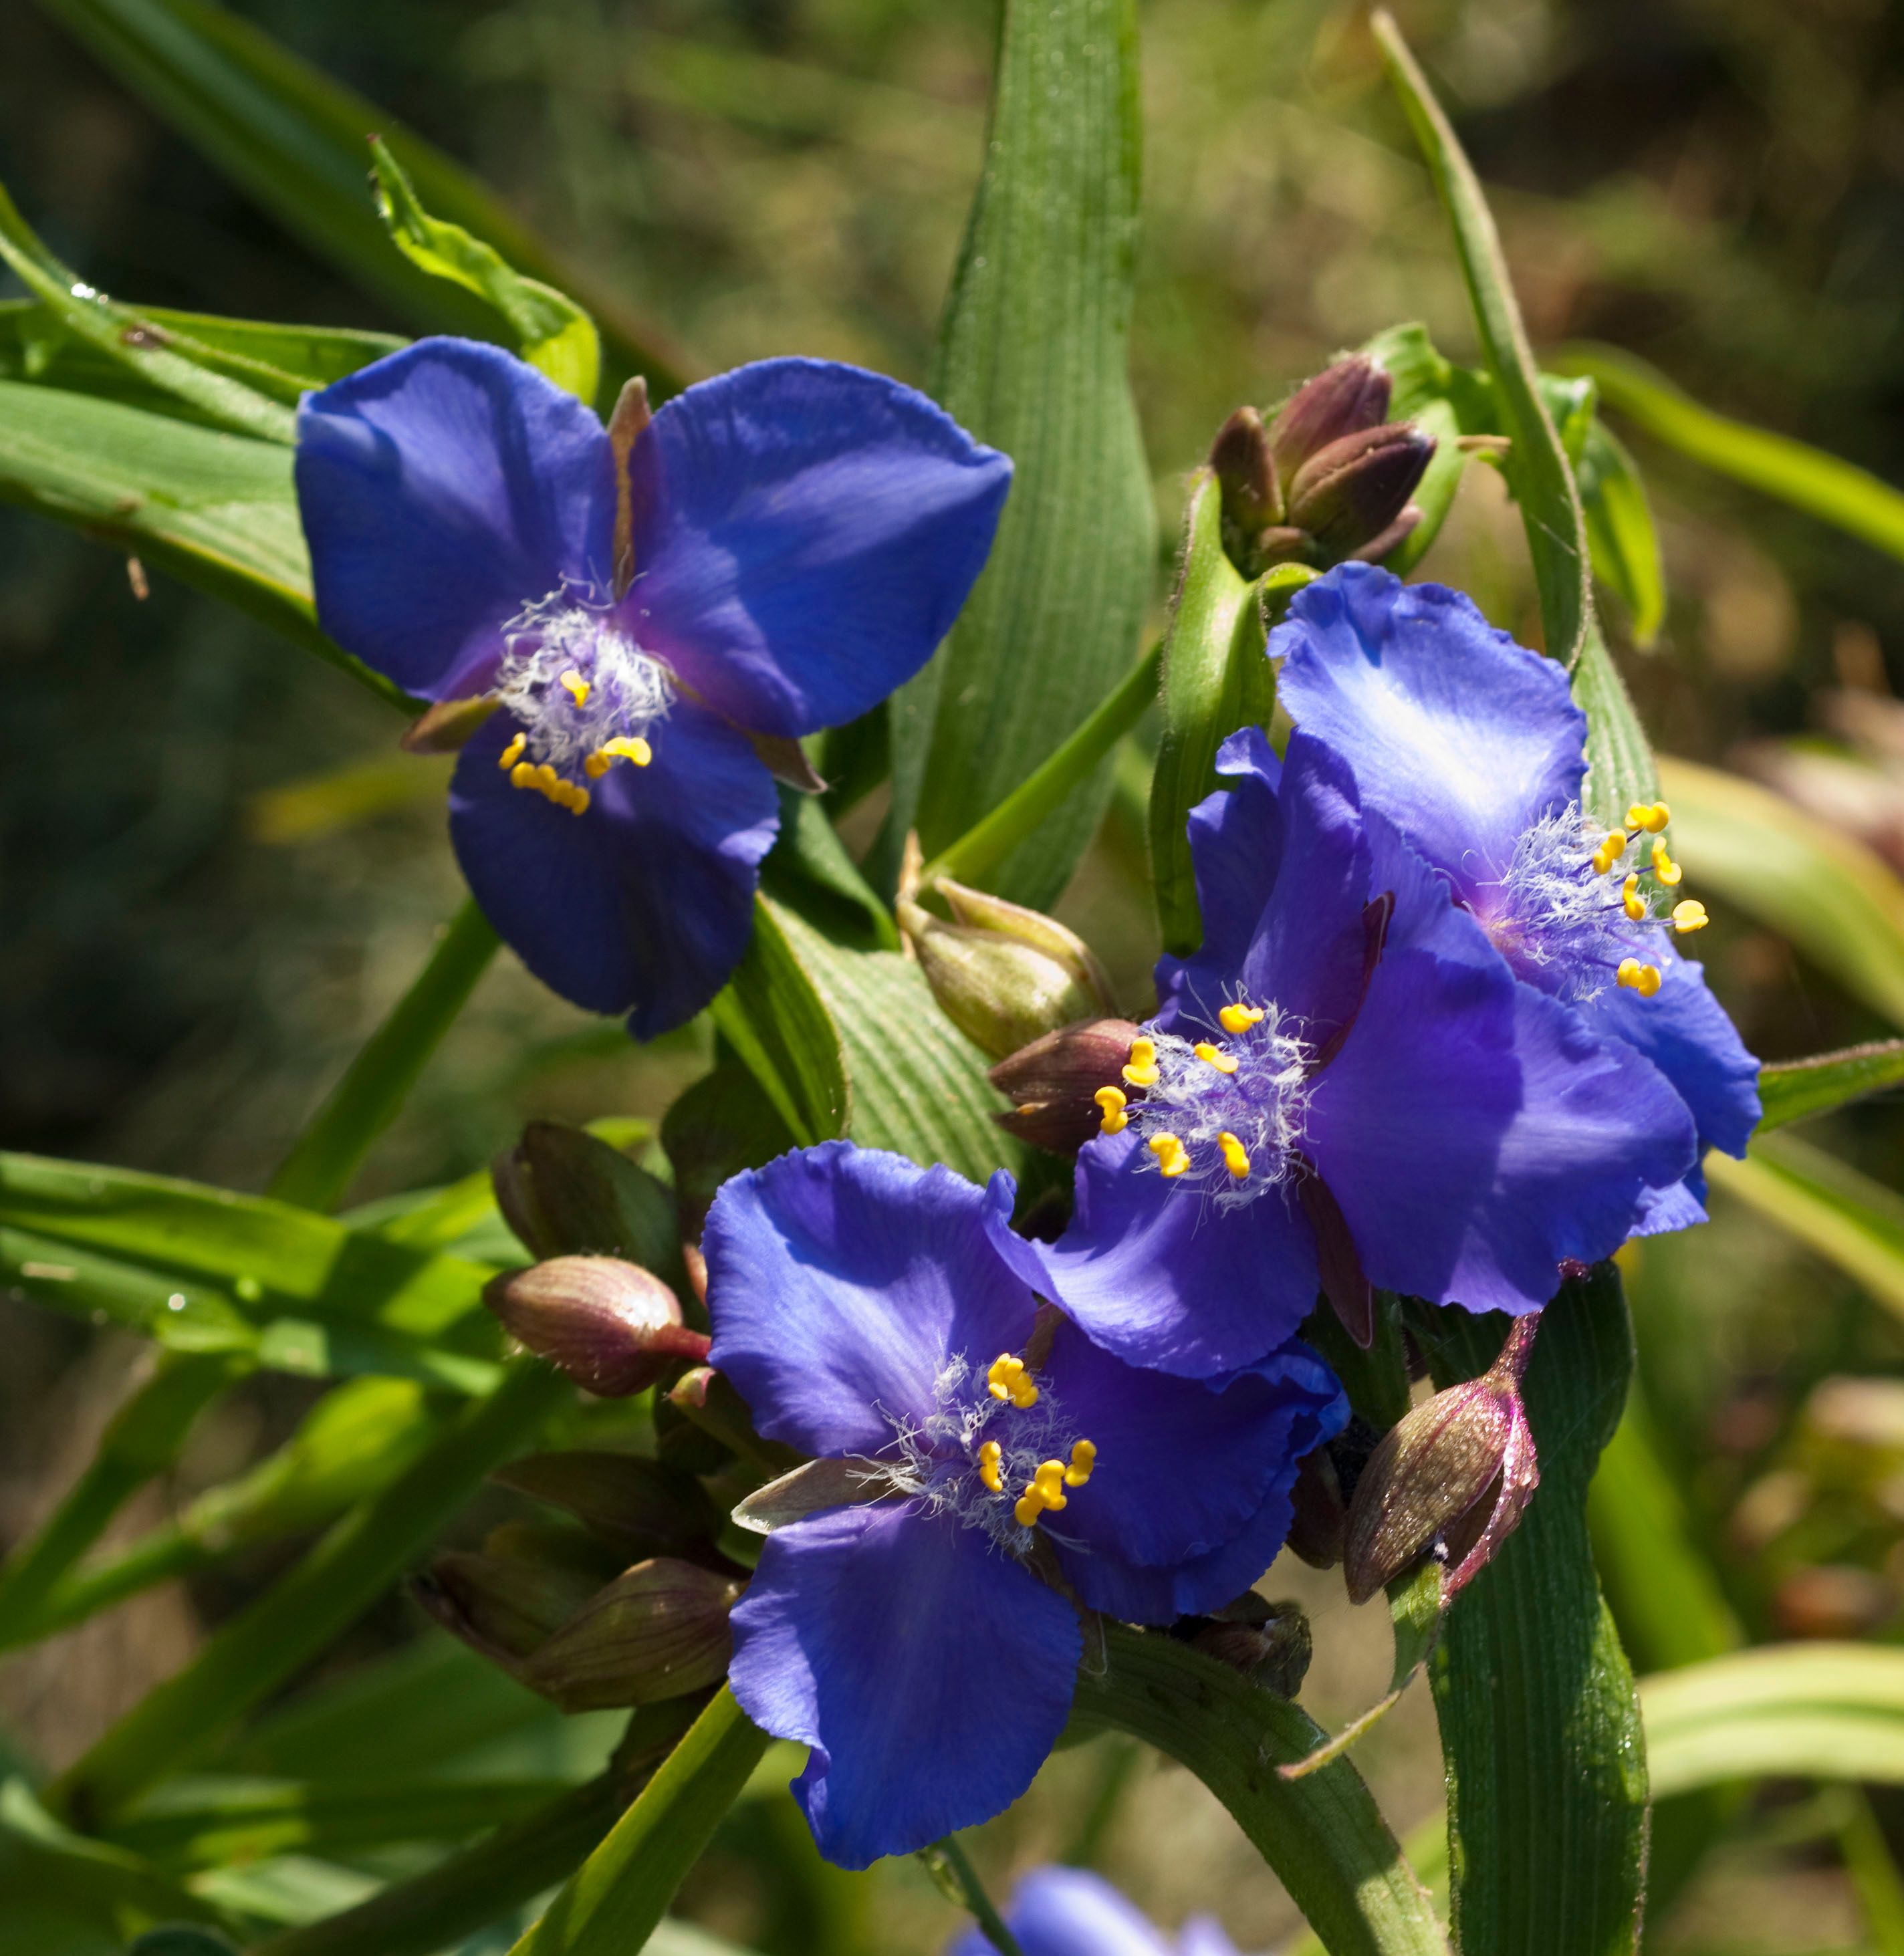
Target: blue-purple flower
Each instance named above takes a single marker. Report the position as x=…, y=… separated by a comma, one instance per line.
x=794, y=539
x=1471, y=747
x=1345, y=1089
x=996, y=1471
x=1070, y=1912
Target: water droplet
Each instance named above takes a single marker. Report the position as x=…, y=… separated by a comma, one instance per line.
x=176, y=1301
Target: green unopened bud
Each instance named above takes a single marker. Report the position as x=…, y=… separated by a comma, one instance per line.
x=613, y=1326
x=504, y=1606
x=1004, y=975
x=659, y=1630
x=1455, y=1474
x=565, y=1192
x=634, y=1505
x=1345, y=398
x=1269, y=1643
x=1054, y=1084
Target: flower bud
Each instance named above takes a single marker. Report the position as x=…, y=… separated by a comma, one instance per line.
x=1245, y=473
x=1457, y=1471
x=1351, y=498
x=1345, y=398
x=659, y=1630
x=635, y=1507
x=1320, y=1518
x=1053, y=1083
x=1269, y=1643
x=506, y=1607
x=1004, y=975
x=614, y=1327
x=565, y=1192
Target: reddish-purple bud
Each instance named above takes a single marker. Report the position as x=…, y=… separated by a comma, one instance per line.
x=1344, y=398
x=1245, y=473
x=1320, y=1521
x=1457, y=1471
x=1351, y=493
x=613, y=1326
x=1053, y=1083
x=1269, y=1643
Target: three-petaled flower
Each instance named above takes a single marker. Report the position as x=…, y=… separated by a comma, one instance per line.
x=773, y=553
x=1472, y=745
x=1071, y=1912
x=915, y=1623
x=1346, y=1088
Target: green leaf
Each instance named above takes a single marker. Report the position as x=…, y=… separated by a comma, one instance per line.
x=216, y=509
x=1794, y=1090
x=1540, y=1728
x=295, y=139
x=1033, y=358
x=1834, y=899
x=1620, y=536
x=1848, y=1219
x=1820, y=484
x=329, y=1153
x=553, y=333
x=611, y=1903
x=161, y=358
x=251, y=1654
x=1820, y=1710
x=722, y=1124
x=808, y=870
x=1322, y=1834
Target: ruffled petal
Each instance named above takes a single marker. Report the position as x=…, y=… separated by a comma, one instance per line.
x=1162, y=1279
x=929, y=1672
x=840, y=1280
x=1461, y=737
x=644, y=904
x=1681, y=1207
x=1476, y=1134
x=1069, y=1912
x=1685, y=1032
x=442, y=489
x=805, y=534
x=1188, y=1499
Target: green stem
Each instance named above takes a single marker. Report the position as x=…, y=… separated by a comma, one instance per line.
x=964, y=1878
x=1046, y=789
x=610, y=1905
x=143, y=1440
x=255, y=1651
x=328, y=1153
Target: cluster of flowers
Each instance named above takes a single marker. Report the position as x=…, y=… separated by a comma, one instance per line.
x=1438, y=1040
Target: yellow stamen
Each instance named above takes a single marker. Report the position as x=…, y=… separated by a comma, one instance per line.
x=1173, y=1158
x=1664, y=867
x=1630, y=897
x=1644, y=979
x=522, y=775
x=1142, y=1070
x=1236, y=1157
x=1239, y=1018
x=577, y=687
x=1214, y=1055
x=512, y=752
x=1027, y=1508
x=1610, y=851
x=990, y=1460
x=1111, y=1103
x=1083, y=1458
x=1652, y=816
x=623, y=747
x=1048, y=1482
x=1005, y=1378
x=1689, y=914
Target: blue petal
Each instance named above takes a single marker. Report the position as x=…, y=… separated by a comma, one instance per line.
x=1681, y=1207
x=929, y=1673
x=840, y=1280
x=1188, y=1500
x=1203, y=1936
x=643, y=905
x=442, y=489
x=1461, y=737
x=805, y=534
x=1475, y=1134
x=1069, y=1912
x=1684, y=1031
x=1161, y=1277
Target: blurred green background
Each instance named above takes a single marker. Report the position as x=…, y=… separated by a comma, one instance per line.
x=219, y=871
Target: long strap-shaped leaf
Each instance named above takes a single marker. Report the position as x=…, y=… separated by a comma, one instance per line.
x=1540, y=1728
x=1033, y=359
x=1322, y=1834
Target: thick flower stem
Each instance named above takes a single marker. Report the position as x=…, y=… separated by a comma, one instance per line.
x=328, y=1153
x=951, y=1867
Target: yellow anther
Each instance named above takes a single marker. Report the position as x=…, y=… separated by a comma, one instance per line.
x=522, y=775
x=1236, y=1157
x=1689, y=914
x=576, y=687
x=1644, y=979
x=1240, y=1018
x=577, y=799
x=623, y=747
x=1610, y=851
x=1652, y=816
x=1630, y=899
x=1005, y=1378
x=1173, y=1158
x=1111, y=1103
x=1029, y=1506
x=1083, y=1458
x=1664, y=867
x=1048, y=1484
x=512, y=752
x=1214, y=1055
x=990, y=1462
x=597, y=764
x=1142, y=1070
